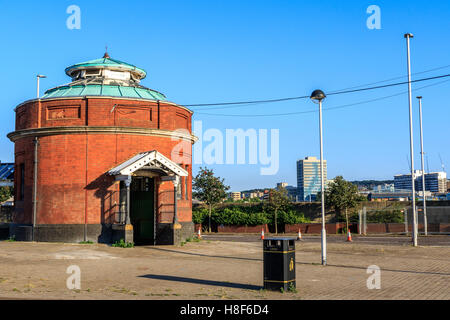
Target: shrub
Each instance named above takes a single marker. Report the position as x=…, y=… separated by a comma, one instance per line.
x=292, y=217
x=395, y=216
x=288, y=217
x=236, y=216
x=382, y=216
x=86, y=242
x=123, y=244
x=200, y=215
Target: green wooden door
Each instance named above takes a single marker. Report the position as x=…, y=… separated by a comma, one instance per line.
x=142, y=210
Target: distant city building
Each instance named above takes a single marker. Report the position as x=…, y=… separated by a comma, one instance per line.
x=292, y=193
x=308, y=178
x=282, y=185
x=403, y=181
x=385, y=188
x=434, y=181
x=260, y=194
x=252, y=195
x=389, y=196
x=235, y=196
x=6, y=174
x=8, y=203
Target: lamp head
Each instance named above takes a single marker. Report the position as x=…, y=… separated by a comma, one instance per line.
x=317, y=96
x=419, y=97
x=41, y=76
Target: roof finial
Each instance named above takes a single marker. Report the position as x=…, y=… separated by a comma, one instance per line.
x=106, y=55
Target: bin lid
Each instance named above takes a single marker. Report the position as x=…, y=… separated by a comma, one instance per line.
x=284, y=238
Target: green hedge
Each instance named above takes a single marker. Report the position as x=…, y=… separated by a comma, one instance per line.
x=245, y=216
x=392, y=216
x=395, y=216
x=235, y=216
x=199, y=215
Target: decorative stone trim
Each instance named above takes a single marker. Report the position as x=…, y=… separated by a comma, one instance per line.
x=49, y=131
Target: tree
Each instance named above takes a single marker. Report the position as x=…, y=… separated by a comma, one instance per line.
x=341, y=195
x=209, y=189
x=5, y=193
x=278, y=200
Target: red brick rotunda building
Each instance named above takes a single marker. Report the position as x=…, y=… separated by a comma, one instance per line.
x=103, y=158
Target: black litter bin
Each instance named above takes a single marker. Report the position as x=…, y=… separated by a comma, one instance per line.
x=279, y=263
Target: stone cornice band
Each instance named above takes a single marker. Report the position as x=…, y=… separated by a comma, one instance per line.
x=49, y=131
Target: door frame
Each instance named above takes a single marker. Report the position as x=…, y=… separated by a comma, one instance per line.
x=154, y=206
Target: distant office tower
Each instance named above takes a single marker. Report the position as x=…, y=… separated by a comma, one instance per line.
x=403, y=181
x=434, y=181
x=308, y=178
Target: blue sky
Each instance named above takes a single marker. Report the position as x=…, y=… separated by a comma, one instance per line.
x=215, y=51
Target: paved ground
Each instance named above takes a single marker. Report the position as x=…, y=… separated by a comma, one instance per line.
x=219, y=270
x=394, y=240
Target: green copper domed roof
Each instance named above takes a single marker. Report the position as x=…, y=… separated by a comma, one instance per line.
x=104, y=90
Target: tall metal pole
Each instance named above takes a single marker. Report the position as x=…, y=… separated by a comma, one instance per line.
x=364, y=220
x=39, y=76
x=360, y=221
x=324, y=235
x=423, y=169
x=413, y=194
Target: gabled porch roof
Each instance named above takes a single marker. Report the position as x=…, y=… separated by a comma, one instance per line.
x=150, y=160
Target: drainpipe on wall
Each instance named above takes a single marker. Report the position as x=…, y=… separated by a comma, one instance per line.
x=36, y=144
x=176, y=225
x=175, y=194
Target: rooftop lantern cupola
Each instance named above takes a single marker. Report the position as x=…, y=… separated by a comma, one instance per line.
x=105, y=77
x=106, y=71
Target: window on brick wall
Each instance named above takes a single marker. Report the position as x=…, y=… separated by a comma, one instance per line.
x=22, y=181
x=186, y=186
x=179, y=191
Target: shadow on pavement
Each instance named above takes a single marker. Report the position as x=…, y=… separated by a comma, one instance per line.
x=202, y=281
x=202, y=255
x=298, y=262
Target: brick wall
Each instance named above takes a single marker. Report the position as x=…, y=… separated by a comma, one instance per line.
x=73, y=187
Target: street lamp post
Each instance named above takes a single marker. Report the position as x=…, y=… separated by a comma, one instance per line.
x=317, y=96
x=38, y=77
x=423, y=169
x=413, y=196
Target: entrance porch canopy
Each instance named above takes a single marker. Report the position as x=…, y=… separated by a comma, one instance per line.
x=150, y=160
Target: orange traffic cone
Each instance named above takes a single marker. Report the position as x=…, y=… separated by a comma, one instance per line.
x=262, y=234
x=199, y=233
x=299, y=237
x=349, y=236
